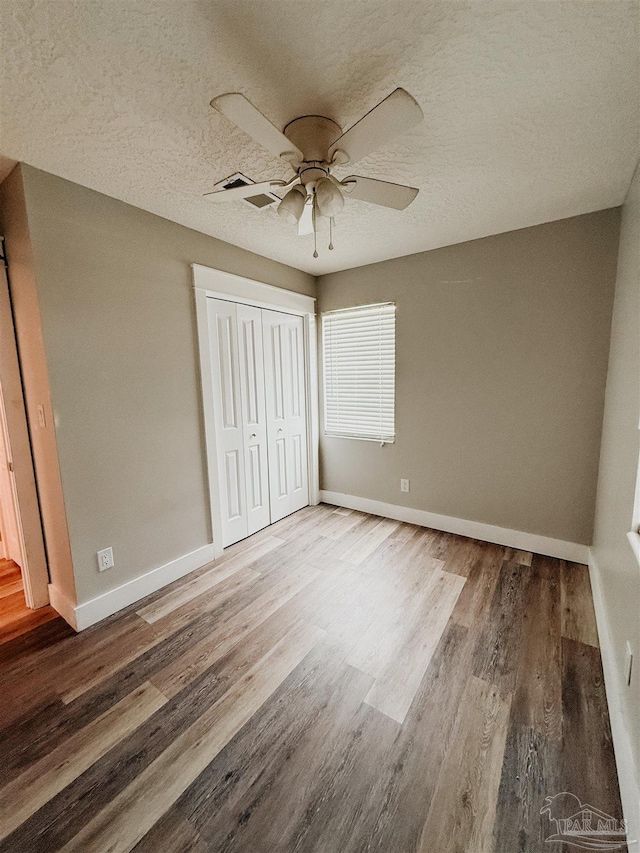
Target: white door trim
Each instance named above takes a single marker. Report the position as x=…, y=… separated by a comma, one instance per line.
x=235, y=288
x=216, y=284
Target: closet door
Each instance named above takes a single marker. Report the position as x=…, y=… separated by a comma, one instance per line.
x=254, y=421
x=286, y=412
x=223, y=332
x=299, y=485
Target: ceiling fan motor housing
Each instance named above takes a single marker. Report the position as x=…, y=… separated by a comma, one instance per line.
x=313, y=135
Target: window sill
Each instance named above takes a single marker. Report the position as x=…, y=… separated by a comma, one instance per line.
x=380, y=441
x=634, y=541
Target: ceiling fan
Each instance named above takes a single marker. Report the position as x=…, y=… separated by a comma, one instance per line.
x=313, y=146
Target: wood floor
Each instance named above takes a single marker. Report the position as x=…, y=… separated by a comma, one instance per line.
x=337, y=682
x=15, y=617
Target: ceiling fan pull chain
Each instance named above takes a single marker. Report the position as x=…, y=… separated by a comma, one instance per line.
x=315, y=232
x=331, y=233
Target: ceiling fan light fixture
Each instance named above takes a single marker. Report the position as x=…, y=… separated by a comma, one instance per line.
x=292, y=205
x=329, y=198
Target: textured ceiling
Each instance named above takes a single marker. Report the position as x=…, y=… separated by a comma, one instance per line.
x=531, y=108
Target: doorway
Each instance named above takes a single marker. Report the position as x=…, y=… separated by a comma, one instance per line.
x=24, y=578
x=10, y=535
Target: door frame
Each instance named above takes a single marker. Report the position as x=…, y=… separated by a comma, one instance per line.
x=35, y=574
x=210, y=283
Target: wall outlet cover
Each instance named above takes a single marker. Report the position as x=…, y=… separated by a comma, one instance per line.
x=105, y=559
x=404, y=485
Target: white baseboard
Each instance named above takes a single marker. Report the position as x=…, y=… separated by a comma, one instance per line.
x=627, y=772
x=61, y=604
x=572, y=551
x=81, y=616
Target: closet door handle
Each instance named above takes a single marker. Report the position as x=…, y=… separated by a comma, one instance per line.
x=253, y=435
x=280, y=430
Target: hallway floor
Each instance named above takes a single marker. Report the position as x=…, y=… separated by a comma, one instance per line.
x=336, y=683
x=15, y=616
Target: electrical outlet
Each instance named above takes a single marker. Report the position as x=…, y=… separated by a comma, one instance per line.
x=105, y=559
x=404, y=485
x=628, y=663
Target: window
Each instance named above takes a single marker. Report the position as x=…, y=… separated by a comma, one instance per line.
x=359, y=356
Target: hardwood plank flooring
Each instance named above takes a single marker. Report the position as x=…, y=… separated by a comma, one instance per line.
x=461, y=813
x=336, y=682
x=578, y=617
x=54, y=771
x=15, y=617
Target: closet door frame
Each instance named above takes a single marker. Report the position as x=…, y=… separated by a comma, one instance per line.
x=215, y=284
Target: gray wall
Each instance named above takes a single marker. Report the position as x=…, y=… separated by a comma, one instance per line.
x=501, y=350
x=617, y=567
x=118, y=320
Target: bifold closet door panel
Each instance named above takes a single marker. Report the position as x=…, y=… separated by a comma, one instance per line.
x=273, y=333
x=254, y=417
x=286, y=412
x=298, y=464
x=223, y=335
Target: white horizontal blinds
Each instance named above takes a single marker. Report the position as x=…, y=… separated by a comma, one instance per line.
x=359, y=346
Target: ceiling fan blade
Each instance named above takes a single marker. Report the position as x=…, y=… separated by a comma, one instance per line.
x=397, y=196
x=305, y=223
x=397, y=113
x=244, y=115
x=246, y=191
